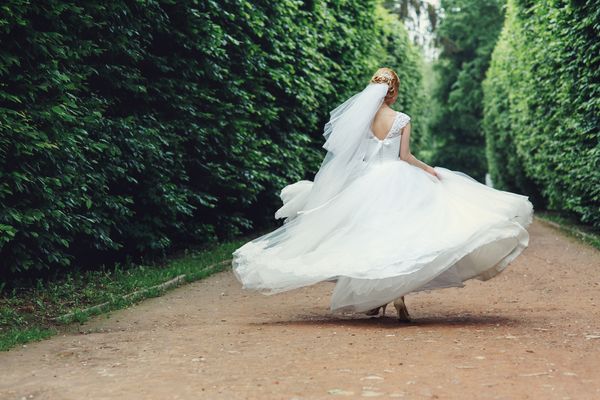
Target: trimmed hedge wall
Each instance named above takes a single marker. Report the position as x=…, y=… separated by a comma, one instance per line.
x=542, y=105
x=467, y=34
x=132, y=128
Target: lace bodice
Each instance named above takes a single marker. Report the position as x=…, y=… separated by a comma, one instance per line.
x=389, y=147
x=399, y=122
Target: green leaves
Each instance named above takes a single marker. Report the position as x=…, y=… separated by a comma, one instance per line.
x=467, y=33
x=541, y=106
x=131, y=129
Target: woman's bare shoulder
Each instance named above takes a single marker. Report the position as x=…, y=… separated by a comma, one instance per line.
x=386, y=114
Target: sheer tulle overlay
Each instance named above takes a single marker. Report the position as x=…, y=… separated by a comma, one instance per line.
x=392, y=230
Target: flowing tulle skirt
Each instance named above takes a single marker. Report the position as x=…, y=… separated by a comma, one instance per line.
x=394, y=230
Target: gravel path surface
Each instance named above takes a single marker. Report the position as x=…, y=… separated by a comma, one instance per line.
x=533, y=332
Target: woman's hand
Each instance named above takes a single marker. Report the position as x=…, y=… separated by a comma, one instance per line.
x=433, y=172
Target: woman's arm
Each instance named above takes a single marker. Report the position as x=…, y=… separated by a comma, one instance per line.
x=407, y=156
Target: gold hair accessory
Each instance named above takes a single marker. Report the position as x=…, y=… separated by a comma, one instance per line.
x=386, y=75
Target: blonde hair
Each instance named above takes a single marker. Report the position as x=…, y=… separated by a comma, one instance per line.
x=388, y=76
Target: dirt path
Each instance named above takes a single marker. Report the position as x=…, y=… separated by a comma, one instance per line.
x=533, y=332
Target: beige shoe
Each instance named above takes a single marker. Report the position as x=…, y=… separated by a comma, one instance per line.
x=402, y=310
x=375, y=311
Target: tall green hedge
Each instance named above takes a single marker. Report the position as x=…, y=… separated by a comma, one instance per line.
x=466, y=35
x=409, y=65
x=132, y=128
x=542, y=105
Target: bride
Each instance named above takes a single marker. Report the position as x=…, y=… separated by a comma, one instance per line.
x=379, y=222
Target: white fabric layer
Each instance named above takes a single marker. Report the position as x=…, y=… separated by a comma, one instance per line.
x=393, y=230
x=345, y=134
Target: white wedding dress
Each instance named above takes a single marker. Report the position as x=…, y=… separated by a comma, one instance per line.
x=394, y=229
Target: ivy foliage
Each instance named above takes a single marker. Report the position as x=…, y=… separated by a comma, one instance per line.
x=466, y=35
x=133, y=128
x=542, y=105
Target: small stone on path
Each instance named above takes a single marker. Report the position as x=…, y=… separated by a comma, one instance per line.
x=340, y=392
x=371, y=393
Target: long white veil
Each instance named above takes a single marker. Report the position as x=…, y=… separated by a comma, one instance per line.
x=345, y=133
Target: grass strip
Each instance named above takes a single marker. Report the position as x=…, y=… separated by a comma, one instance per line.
x=571, y=227
x=38, y=312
